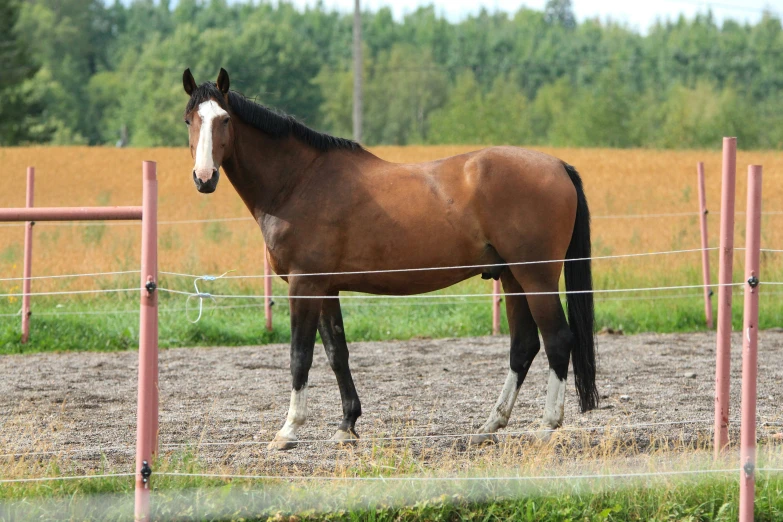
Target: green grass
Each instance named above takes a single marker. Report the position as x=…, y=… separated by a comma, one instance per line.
x=57, y=324
x=186, y=498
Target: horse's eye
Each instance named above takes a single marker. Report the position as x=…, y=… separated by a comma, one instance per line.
x=225, y=122
x=187, y=122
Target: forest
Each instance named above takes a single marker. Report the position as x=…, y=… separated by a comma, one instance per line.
x=90, y=72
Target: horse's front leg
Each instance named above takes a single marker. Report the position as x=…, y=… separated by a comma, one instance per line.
x=333, y=335
x=305, y=311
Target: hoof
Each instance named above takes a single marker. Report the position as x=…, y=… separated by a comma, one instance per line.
x=282, y=443
x=483, y=438
x=345, y=438
x=544, y=434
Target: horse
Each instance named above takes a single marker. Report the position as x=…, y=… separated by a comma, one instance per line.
x=330, y=212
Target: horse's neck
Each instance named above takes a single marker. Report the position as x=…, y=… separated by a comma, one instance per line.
x=265, y=171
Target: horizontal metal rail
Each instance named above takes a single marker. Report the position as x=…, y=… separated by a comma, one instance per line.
x=70, y=213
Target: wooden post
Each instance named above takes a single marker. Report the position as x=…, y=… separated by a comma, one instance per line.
x=28, y=258
x=750, y=346
x=705, y=254
x=358, y=71
x=723, y=358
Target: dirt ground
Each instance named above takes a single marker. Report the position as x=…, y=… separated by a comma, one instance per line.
x=77, y=401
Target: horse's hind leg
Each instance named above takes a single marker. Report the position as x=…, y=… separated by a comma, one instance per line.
x=332, y=331
x=548, y=313
x=524, y=347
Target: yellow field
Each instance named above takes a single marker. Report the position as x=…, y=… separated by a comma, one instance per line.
x=618, y=182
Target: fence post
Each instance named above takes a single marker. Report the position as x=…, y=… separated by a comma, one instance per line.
x=147, y=414
x=725, y=274
x=705, y=254
x=28, y=258
x=267, y=292
x=749, y=345
x=496, y=299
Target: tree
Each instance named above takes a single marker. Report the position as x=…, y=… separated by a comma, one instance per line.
x=460, y=119
x=78, y=71
x=18, y=100
x=560, y=12
x=470, y=117
x=404, y=86
x=602, y=115
x=550, y=113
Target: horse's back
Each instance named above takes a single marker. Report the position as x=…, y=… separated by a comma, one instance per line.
x=507, y=164
x=490, y=194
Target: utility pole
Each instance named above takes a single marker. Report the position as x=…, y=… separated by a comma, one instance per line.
x=357, y=72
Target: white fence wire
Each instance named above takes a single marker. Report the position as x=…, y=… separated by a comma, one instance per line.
x=392, y=438
x=418, y=478
x=396, y=270
x=68, y=276
x=76, y=292
x=66, y=477
x=507, y=434
x=457, y=478
x=437, y=268
x=462, y=302
x=439, y=296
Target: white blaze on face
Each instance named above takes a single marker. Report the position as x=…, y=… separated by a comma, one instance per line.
x=555, y=401
x=208, y=111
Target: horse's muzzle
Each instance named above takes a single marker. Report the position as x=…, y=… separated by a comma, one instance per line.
x=208, y=186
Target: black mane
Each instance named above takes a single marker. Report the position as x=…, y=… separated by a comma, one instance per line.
x=270, y=121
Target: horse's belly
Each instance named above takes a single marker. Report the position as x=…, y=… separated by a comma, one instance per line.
x=418, y=263
x=403, y=283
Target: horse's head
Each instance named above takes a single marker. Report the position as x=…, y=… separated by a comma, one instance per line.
x=211, y=134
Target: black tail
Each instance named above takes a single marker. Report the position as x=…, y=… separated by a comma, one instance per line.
x=581, y=315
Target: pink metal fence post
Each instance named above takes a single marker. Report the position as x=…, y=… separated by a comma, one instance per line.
x=705, y=254
x=267, y=293
x=723, y=357
x=147, y=417
x=28, y=258
x=496, y=299
x=749, y=345
x=147, y=414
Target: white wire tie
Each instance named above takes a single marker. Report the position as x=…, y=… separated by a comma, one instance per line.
x=202, y=295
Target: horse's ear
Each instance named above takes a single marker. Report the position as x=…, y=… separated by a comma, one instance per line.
x=189, y=82
x=222, y=82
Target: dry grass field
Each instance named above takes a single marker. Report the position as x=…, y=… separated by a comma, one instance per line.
x=618, y=183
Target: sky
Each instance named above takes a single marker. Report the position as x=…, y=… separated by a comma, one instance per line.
x=638, y=14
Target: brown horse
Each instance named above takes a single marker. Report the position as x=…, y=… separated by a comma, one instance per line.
x=326, y=204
